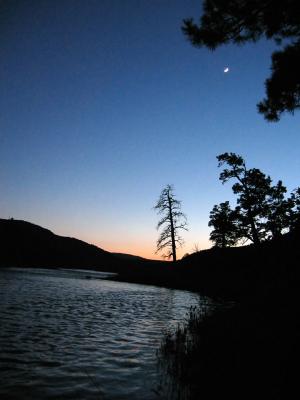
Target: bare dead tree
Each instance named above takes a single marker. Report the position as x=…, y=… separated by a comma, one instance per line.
x=173, y=220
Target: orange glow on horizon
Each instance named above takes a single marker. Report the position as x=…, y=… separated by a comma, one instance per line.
x=143, y=251
x=144, y=247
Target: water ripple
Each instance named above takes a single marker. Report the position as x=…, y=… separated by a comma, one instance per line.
x=65, y=337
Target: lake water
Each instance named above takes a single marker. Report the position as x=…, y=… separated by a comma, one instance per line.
x=63, y=336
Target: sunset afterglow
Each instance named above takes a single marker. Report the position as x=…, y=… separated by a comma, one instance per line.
x=104, y=103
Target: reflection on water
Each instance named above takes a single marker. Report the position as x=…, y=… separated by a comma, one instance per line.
x=63, y=336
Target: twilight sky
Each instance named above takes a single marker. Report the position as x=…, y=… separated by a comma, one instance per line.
x=104, y=102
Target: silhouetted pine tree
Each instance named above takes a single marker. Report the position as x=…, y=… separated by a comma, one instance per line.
x=252, y=188
x=262, y=210
x=224, y=221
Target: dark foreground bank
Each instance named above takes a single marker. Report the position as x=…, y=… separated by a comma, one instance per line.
x=250, y=350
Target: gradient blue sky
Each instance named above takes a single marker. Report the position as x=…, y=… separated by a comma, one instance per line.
x=104, y=102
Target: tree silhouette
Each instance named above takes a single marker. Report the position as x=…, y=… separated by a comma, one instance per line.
x=240, y=21
x=263, y=211
x=172, y=221
x=278, y=211
x=224, y=222
x=252, y=187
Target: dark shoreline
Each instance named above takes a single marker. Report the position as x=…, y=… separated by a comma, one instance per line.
x=236, y=273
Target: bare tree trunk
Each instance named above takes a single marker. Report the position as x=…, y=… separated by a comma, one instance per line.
x=172, y=229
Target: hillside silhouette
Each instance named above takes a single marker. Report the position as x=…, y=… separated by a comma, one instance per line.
x=24, y=244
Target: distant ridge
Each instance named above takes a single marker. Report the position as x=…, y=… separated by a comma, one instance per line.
x=25, y=244
x=130, y=257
